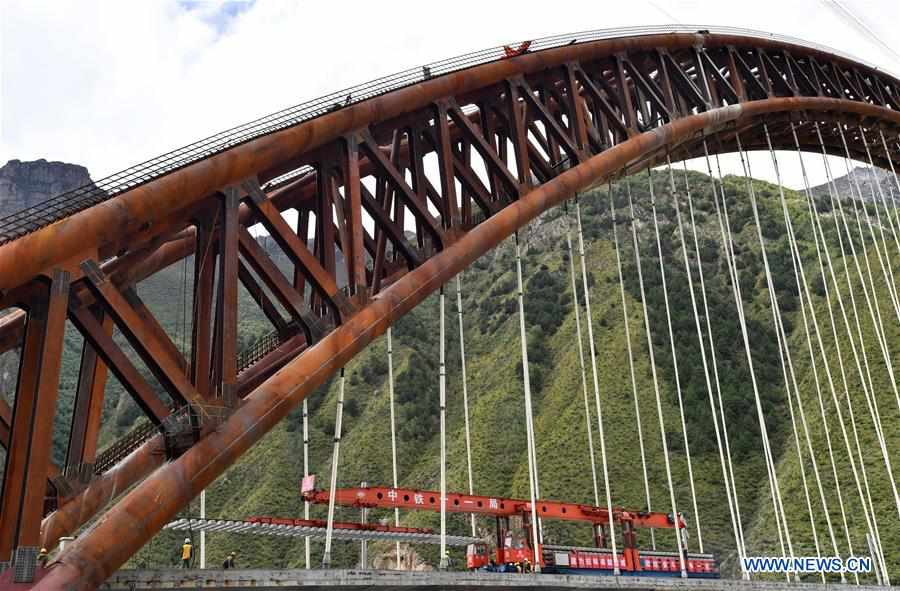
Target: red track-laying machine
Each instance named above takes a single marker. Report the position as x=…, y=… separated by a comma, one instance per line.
x=551, y=558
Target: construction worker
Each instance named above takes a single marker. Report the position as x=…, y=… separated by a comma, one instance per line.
x=187, y=552
x=526, y=568
x=42, y=557
x=449, y=561
x=229, y=561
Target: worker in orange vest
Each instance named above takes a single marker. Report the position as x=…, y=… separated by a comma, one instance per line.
x=187, y=551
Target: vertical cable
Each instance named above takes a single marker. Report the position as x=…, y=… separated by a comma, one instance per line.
x=584, y=386
x=593, y=350
x=871, y=401
x=712, y=348
x=306, y=473
x=529, y=424
x=887, y=214
x=672, y=349
x=659, y=410
x=335, y=455
x=779, y=331
x=700, y=340
x=634, y=392
x=443, y=403
x=890, y=287
x=465, y=389
x=390, y=356
x=725, y=229
x=835, y=198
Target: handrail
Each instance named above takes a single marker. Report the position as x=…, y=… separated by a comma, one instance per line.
x=28, y=220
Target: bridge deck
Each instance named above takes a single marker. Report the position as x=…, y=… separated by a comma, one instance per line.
x=259, y=580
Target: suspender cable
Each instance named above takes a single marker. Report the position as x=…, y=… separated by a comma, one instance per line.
x=390, y=356
x=887, y=213
x=877, y=322
x=712, y=348
x=871, y=524
x=725, y=228
x=659, y=410
x=889, y=284
x=465, y=389
x=873, y=405
x=584, y=386
x=593, y=349
x=800, y=277
x=709, y=388
x=306, y=472
x=665, y=292
x=779, y=328
x=869, y=392
x=819, y=236
x=634, y=392
x=529, y=424
x=443, y=402
x=335, y=455
x=887, y=154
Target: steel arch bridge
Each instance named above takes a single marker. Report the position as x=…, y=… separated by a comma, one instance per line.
x=512, y=134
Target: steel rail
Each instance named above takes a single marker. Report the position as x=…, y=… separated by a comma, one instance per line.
x=143, y=511
x=25, y=221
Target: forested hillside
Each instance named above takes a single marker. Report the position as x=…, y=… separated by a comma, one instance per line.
x=266, y=481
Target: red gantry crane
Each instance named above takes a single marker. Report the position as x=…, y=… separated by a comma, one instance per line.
x=558, y=559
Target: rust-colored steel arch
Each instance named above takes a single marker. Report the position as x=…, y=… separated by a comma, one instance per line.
x=511, y=137
x=143, y=512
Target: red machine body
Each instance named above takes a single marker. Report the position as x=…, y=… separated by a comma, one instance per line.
x=563, y=559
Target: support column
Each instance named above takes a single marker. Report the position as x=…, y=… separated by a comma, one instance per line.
x=28, y=456
x=226, y=329
x=89, y=398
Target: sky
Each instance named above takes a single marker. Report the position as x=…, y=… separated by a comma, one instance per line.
x=110, y=84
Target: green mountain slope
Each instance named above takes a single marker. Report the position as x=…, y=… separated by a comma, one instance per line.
x=266, y=482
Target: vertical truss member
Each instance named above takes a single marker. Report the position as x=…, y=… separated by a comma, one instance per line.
x=659, y=410
x=778, y=503
x=725, y=229
x=786, y=359
x=700, y=339
x=888, y=282
x=590, y=327
x=584, y=387
x=390, y=356
x=634, y=392
x=465, y=390
x=665, y=292
x=529, y=423
x=443, y=410
x=339, y=416
x=721, y=405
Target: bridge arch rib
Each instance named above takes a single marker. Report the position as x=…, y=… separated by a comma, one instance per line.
x=511, y=138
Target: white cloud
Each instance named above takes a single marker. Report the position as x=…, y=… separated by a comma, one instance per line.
x=110, y=84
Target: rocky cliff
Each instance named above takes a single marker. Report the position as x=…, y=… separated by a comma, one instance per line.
x=23, y=184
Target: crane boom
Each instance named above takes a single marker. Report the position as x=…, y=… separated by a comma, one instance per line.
x=425, y=500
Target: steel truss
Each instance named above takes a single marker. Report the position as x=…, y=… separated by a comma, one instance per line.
x=511, y=138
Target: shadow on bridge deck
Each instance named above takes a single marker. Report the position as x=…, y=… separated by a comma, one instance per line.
x=260, y=580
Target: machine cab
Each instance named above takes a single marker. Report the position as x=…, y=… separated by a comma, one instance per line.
x=477, y=556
